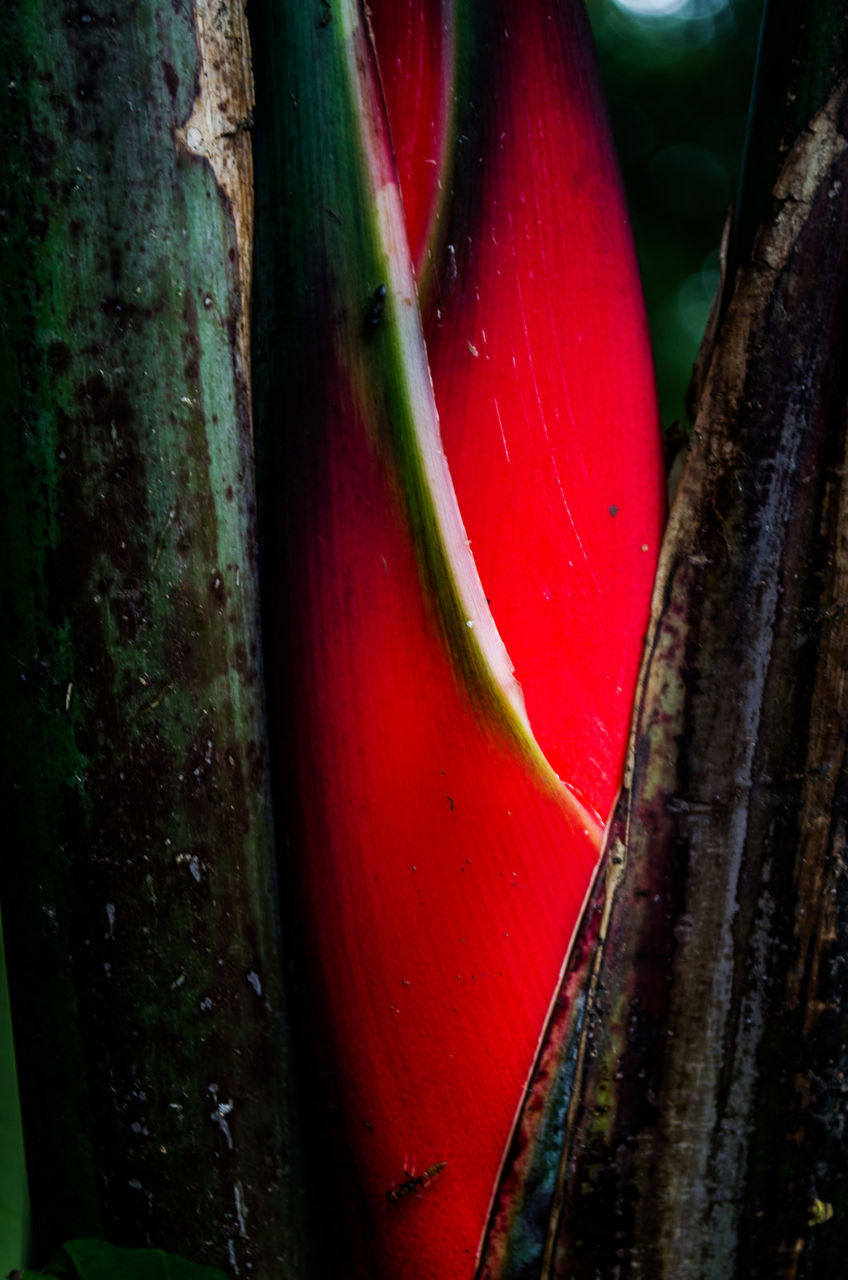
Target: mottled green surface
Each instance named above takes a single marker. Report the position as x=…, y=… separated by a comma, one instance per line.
x=137, y=884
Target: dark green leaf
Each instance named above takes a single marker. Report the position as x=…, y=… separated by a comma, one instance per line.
x=98, y=1260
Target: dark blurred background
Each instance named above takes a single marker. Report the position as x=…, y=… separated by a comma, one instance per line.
x=677, y=75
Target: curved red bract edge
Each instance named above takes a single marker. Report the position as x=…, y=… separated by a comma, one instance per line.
x=441, y=875
x=540, y=357
x=414, y=40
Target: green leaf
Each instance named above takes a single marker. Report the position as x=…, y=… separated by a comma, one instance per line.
x=99, y=1260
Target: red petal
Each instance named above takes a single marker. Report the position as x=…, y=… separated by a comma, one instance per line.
x=416, y=47
x=441, y=874
x=441, y=864
x=539, y=352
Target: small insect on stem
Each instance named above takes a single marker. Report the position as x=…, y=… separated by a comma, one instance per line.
x=376, y=306
x=414, y=1184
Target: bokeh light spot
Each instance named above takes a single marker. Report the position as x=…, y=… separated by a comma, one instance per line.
x=652, y=8
x=678, y=10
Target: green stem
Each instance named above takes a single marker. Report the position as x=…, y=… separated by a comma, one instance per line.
x=138, y=886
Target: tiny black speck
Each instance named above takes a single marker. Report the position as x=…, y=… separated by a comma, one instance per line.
x=376, y=306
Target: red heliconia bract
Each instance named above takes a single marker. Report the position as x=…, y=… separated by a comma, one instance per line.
x=415, y=45
x=540, y=356
x=441, y=862
x=442, y=876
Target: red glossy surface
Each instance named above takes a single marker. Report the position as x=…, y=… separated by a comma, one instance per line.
x=441, y=875
x=415, y=48
x=539, y=351
x=442, y=879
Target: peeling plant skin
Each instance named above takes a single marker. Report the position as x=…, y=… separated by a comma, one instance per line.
x=137, y=883
x=697, y=1051
x=803, y=54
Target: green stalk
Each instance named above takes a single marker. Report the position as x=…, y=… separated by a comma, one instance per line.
x=138, y=884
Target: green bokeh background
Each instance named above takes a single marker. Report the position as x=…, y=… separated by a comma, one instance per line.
x=678, y=88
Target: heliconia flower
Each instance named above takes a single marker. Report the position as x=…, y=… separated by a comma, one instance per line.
x=538, y=348
x=416, y=45
x=443, y=830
